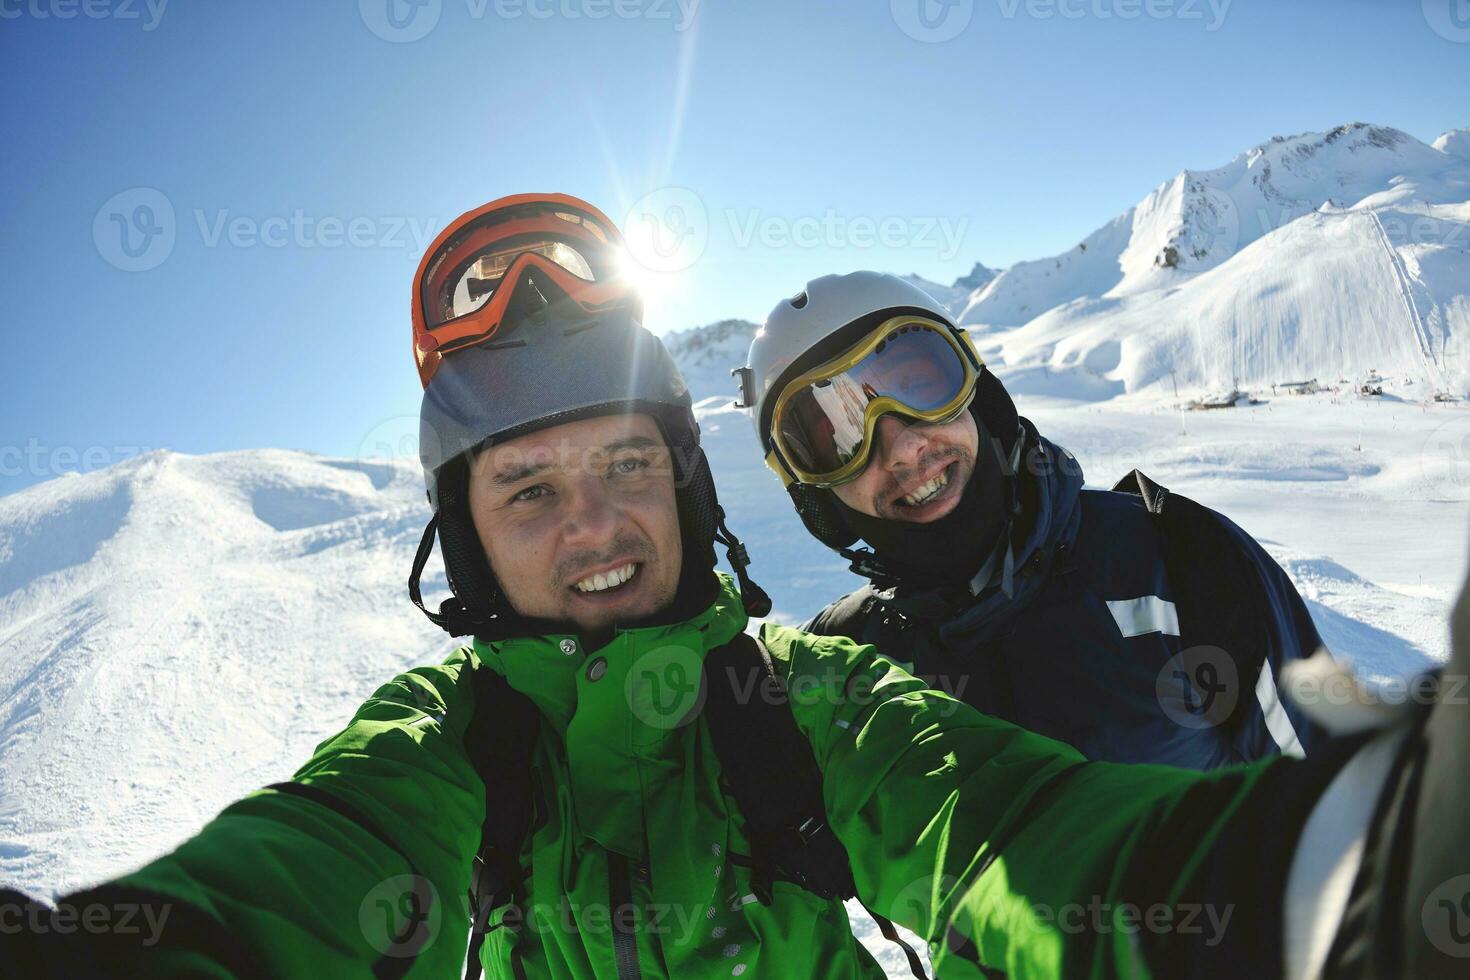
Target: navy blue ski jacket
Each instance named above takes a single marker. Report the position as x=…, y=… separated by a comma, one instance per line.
x=1088, y=646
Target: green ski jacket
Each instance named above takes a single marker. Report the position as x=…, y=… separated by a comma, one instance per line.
x=976, y=834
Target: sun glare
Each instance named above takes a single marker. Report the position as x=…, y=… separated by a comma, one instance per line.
x=655, y=287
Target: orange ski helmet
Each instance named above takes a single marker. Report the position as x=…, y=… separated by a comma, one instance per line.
x=468, y=276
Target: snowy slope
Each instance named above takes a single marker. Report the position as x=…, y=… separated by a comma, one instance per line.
x=175, y=630
x=1325, y=254
x=1455, y=143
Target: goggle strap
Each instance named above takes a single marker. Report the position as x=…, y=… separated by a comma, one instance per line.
x=777, y=463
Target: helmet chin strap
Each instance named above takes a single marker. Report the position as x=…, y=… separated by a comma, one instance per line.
x=452, y=616
x=754, y=598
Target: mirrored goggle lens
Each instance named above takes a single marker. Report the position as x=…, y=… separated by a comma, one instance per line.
x=466, y=271
x=482, y=276
x=822, y=426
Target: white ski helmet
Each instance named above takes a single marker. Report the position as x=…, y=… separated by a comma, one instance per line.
x=818, y=323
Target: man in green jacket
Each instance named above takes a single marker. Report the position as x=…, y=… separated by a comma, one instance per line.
x=577, y=520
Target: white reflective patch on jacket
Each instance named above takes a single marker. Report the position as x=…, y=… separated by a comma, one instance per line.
x=1278, y=722
x=1146, y=614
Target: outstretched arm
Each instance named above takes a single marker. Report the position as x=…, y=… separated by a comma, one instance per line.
x=1008, y=852
x=356, y=867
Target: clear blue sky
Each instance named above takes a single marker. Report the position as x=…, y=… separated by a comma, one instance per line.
x=798, y=128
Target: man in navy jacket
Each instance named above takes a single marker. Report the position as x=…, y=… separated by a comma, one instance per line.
x=1133, y=623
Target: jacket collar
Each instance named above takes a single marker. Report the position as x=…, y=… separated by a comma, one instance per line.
x=624, y=711
x=547, y=667
x=1051, y=485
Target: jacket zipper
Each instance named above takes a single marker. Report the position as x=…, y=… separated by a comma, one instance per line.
x=620, y=896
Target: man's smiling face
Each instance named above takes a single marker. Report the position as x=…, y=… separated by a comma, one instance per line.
x=917, y=472
x=580, y=522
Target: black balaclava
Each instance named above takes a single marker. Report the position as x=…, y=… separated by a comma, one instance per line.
x=949, y=551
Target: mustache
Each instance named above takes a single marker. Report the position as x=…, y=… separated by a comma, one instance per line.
x=626, y=545
x=894, y=488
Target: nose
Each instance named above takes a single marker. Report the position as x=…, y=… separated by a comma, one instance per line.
x=590, y=517
x=899, y=444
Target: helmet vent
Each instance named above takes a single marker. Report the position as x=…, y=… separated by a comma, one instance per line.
x=798, y=301
x=502, y=344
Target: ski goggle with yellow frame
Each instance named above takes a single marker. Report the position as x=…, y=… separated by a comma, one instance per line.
x=823, y=421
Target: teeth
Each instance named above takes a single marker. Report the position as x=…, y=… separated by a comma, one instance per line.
x=928, y=490
x=607, y=580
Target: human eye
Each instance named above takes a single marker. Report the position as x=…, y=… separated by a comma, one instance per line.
x=629, y=465
x=531, y=493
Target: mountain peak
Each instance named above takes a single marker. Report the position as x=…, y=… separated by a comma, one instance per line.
x=1198, y=219
x=706, y=354
x=978, y=278
x=698, y=340
x=1456, y=143
x=1353, y=136
x=1323, y=253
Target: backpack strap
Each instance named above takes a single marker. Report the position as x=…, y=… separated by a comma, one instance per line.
x=499, y=741
x=1219, y=593
x=1137, y=483
x=847, y=616
x=777, y=785
x=771, y=772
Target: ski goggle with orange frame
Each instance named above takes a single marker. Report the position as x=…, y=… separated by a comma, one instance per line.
x=468, y=276
x=823, y=421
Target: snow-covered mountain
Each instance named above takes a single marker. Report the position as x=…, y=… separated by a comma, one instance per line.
x=1455, y=143
x=956, y=296
x=952, y=298
x=1329, y=255
x=977, y=278
x=707, y=354
x=1321, y=255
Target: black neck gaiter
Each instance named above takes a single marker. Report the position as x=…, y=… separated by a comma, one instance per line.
x=949, y=551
